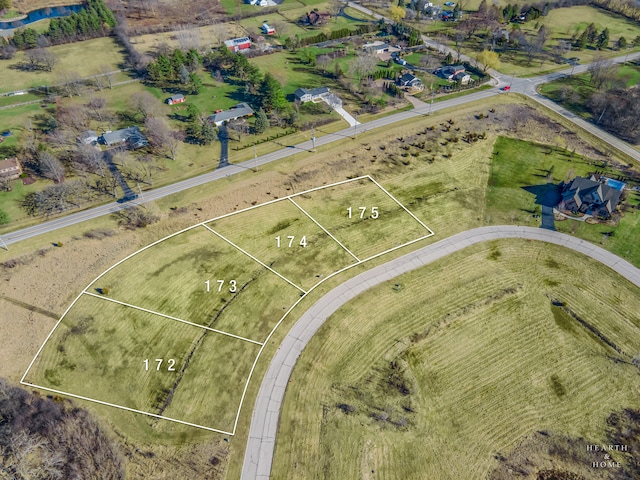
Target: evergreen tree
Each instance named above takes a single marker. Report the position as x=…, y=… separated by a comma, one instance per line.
x=271, y=96
x=207, y=133
x=636, y=41
x=261, y=123
x=592, y=33
x=603, y=39
x=622, y=43
x=448, y=60
x=581, y=42
x=196, y=83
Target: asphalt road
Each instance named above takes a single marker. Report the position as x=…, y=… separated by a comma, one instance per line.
x=264, y=422
x=525, y=86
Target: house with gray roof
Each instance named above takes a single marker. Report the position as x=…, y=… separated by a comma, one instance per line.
x=240, y=110
x=589, y=196
x=131, y=136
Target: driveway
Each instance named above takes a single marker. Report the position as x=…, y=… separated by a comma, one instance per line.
x=266, y=413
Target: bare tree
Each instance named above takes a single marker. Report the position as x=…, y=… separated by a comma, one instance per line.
x=362, y=65
x=145, y=104
x=173, y=143
x=50, y=167
x=158, y=133
x=90, y=158
x=96, y=105
x=188, y=38
x=108, y=74
x=70, y=83
x=220, y=32
x=602, y=72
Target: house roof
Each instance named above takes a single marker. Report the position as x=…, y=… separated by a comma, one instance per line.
x=589, y=190
x=87, y=134
x=177, y=96
x=9, y=164
x=240, y=110
x=460, y=75
x=237, y=41
x=314, y=92
x=129, y=134
x=408, y=78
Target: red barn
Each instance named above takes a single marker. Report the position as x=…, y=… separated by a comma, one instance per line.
x=179, y=98
x=238, y=44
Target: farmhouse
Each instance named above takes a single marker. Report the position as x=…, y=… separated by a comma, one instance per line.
x=596, y=196
x=10, y=168
x=311, y=95
x=238, y=44
x=381, y=49
x=462, y=77
x=315, y=18
x=130, y=135
x=178, y=98
x=267, y=29
x=88, y=137
x=239, y=111
x=450, y=71
x=409, y=81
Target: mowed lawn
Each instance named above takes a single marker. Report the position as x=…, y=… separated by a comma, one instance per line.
x=518, y=183
x=456, y=363
x=374, y=224
x=198, y=277
x=84, y=58
x=99, y=352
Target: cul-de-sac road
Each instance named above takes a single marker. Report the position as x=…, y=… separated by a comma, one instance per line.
x=266, y=413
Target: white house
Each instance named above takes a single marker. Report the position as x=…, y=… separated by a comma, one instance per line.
x=311, y=95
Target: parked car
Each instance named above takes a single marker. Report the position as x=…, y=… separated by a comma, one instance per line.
x=449, y=4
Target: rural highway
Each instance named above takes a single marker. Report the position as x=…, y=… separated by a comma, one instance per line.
x=264, y=422
x=525, y=86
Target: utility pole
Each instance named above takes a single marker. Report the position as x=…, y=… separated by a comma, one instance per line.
x=433, y=93
x=313, y=139
x=255, y=156
x=355, y=127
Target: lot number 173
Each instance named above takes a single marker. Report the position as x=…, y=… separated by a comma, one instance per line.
x=373, y=212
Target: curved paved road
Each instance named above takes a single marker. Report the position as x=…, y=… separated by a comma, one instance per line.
x=264, y=422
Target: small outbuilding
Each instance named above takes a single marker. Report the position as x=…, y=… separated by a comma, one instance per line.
x=238, y=44
x=178, y=98
x=267, y=29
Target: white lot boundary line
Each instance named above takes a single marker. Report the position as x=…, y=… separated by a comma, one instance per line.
x=401, y=205
x=253, y=258
x=283, y=198
x=266, y=341
x=203, y=224
x=60, y=392
x=324, y=229
x=94, y=281
x=169, y=317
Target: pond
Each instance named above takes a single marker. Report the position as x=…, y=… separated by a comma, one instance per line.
x=41, y=14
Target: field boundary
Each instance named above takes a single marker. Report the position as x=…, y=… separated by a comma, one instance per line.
x=169, y=317
x=304, y=295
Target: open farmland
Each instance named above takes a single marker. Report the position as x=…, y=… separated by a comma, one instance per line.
x=475, y=352
x=174, y=330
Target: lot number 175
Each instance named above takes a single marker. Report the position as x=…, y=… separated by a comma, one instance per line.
x=373, y=212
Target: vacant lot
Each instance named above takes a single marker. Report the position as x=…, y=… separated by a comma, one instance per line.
x=116, y=354
x=470, y=353
x=171, y=278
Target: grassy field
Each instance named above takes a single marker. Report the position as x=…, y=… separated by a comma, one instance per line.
x=265, y=233
x=99, y=351
x=169, y=278
x=366, y=232
x=84, y=58
x=517, y=188
x=469, y=353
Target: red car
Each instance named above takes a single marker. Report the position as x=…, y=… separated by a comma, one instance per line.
x=506, y=88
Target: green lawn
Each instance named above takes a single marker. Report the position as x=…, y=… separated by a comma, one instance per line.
x=84, y=58
x=518, y=181
x=468, y=352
